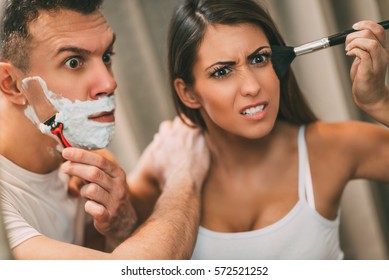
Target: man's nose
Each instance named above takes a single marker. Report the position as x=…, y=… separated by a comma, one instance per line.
x=103, y=82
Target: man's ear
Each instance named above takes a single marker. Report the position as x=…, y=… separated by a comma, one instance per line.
x=185, y=94
x=9, y=86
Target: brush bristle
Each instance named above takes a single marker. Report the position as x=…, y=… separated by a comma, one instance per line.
x=282, y=57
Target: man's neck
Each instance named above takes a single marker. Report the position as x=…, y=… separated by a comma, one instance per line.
x=28, y=148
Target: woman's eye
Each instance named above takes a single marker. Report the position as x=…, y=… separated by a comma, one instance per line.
x=219, y=73
x=73, y=63
x=259, y=58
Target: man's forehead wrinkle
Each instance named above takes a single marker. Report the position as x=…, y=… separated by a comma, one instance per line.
x=60, y=31
x=62, y=22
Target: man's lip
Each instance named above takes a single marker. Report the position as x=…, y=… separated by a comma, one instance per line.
x=103, y=116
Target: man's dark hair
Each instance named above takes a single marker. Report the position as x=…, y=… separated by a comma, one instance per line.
x=16, y=15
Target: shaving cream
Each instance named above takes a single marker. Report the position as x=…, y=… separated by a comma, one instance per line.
x=78, y=129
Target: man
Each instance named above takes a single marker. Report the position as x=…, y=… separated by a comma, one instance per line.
x=66, y=46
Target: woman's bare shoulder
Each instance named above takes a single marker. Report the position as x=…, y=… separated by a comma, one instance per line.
x=350, y=138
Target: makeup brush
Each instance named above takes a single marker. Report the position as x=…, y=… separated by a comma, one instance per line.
x=43, y=108
x=282, y=56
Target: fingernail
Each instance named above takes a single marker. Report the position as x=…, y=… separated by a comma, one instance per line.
x=356, y=25
x=66, y=153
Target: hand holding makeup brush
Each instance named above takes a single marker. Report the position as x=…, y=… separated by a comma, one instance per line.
x=368, y=71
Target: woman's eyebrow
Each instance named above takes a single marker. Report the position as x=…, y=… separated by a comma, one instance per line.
x=254, y=53
x=229, y=63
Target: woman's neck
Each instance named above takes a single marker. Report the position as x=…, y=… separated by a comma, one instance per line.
x=227, y=149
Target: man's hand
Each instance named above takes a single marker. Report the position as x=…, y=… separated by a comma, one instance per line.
x=368, y=71
x=179, y=151
x=106, y=190
x=166, y=187
x=75, y=183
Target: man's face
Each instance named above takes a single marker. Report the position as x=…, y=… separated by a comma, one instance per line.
x=72, y=53
x=71, y=56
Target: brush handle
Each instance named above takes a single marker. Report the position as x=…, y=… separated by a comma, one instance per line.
x=340, y=38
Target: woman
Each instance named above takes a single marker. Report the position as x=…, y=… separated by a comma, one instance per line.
x=277, y=173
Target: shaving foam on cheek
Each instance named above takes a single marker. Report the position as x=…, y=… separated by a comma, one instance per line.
x=79, y=130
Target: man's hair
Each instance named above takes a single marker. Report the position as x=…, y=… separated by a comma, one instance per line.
x=16, y=15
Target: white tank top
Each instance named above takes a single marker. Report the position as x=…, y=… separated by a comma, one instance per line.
x=302, y=234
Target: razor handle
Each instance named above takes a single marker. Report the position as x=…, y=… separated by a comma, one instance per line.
x=58, y=131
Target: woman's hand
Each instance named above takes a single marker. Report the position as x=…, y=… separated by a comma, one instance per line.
x=368, y=72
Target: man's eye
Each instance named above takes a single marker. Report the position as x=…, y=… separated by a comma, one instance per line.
x=73, y=63
x=107, y=57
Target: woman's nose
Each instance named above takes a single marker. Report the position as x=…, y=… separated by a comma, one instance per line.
x=250, y=83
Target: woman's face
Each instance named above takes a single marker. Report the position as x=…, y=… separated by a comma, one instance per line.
x=235, y=84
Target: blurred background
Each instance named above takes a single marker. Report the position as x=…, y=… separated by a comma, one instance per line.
x=143, y=96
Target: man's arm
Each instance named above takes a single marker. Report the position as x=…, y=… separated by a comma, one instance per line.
x=179, y=160
x=169, y=233
x=368, y=72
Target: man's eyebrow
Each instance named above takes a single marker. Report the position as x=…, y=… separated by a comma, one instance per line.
x=112, y=42
x=82, y=51
x=72, y=49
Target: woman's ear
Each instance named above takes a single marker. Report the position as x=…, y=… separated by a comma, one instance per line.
x=9, y=87
x=185, y=94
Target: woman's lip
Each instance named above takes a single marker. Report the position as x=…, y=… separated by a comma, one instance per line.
x=258, y=115
x=252, y=106
x=103, y=117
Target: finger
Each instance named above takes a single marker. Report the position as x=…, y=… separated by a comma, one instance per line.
x=364, y=34
x=76, y=182
x=354, y=68
x=369, y=45
x=178, y=124
x=74, y=185
x=73, y=192
x=96, y=193
x=365, y=59
x=184, y=118
x=90, y=158
x=362, y=66
x=156, y=139
x=165, y=125
x=96, y=210
x=89, y=173
x=376, y=29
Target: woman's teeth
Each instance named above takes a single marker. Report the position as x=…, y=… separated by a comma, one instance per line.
x=253, y=110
